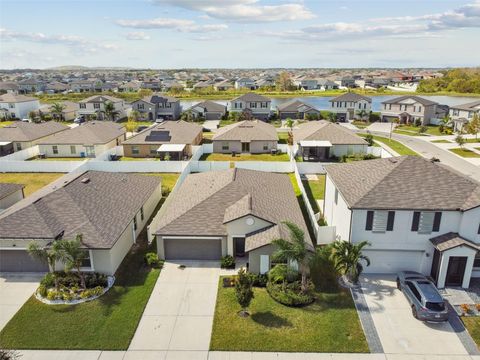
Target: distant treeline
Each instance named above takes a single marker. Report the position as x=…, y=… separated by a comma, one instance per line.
x=456, y=80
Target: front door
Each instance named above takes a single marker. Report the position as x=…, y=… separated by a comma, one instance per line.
x=456, y=270
x=239, y=243
x=90, y=151
x=245, y=147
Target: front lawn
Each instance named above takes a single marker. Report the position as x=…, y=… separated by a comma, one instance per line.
x=441, y=141
x=315, y=190
x=360, y=124
x=5, y=123
x=32, y=181
x=411, y=130
x=465, y=153
x=244, y=157
x=330, y=324
x=472, y=323
x=393, y=144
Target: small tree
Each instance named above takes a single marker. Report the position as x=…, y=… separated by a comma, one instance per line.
x=50, y=254
x=110, y=112
x=348, y=258
x=362, y=114
x=32, y=115
x=243, y=291
x=131, y=125
x=460, y=140
x=144, y=92
x=369, y=139
x=473, y=127
x=332, y=117
x=72, y=254
x=57, y=110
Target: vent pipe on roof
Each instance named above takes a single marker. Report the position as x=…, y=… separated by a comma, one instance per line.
x=85, y=180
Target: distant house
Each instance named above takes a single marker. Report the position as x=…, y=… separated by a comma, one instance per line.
x=256, y=105
x=10, y=194
x=346, y=82
x=306, y=83
x=9, y=87
x=348, y=106
x=409, y=109
x=108, y=209
x=245, y=83
x=172, y=138
x=131, y=86
x=462, y=114
x=94, y=106
x=158, y=107
x=154, y=85
x=80, y=86
x=296, y=109
x=325, y=84
x=68, y=114
x=55, y=87
x=23, y=135
x=208, y=110
x=29, y=86
x=223, y=85
x=17, y=106
x=321, y=140
x=87, y=140
x=249, y=136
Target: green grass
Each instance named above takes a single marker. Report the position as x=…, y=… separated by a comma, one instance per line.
x=315, y=190
x=5, y=123
x=473, y=326
x=470, y=141
x=32, y=181
x=409, y=133
x=465, y=153
x=360, y=124
x=226, y=122
x=330, y=324
x=244, y=157
x=168, y=179
x=394, y=145
x=408, y=130
x=441, y=141
x=282, y=137
x=301, y=203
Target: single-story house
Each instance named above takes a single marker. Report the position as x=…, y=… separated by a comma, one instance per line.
x=208, y=110
x=416, y=214
x=108, y=209
x=86, y=140
x=321, y=140
x=10, y=194
x=172, y=138
x=68, y=113
x=296, y=109
x=234, y=212
x=249, y=136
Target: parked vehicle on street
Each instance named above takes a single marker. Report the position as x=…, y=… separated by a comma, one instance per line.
x=79, y=120
x=425, y=301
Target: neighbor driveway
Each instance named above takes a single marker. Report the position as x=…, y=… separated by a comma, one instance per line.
x=398, y=331
x=15, y=289
x=179, y=314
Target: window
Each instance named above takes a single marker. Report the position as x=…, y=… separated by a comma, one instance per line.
x=83, y=106
x=414, y=290
x=419, y=109
x=11, y=105
x=153, y=150
x=141, y=213
x=140, y=106
x=336, y=196
x=19, y=146
x=265, y=146
x=86, y=261
x=96, y=105
x=55, y=149
x=390, y=220
x=135, y=150
x=225, y=146
x=72, y=149
x=253, y=105
x=135, y=223
x=476, y=262
x=369, y=224
x=478, y=231
x=426, y=222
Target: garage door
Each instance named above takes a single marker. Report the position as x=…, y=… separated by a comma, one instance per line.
x=385, y=262
x=20, y=261
x=193, y=249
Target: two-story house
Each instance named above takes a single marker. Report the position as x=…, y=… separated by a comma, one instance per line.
x=245, y=83
x=409, y=109
x=94, y=106
x=158, y=107
x=17, y=106
x=257, y=105
x=350, y=106
x=463, y=114
x=416, y=214
x=306, y=83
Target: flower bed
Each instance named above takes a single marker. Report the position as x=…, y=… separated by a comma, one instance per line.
x=64, y=288
x=289, y=294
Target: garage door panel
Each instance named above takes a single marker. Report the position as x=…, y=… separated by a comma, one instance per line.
x=385, y=262
x=20, y=261
x=193, y=249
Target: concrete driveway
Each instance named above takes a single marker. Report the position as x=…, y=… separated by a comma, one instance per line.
x=179, y=314
x=398, y=331
x=211, y=125
x=383, y=127
x=15, y=290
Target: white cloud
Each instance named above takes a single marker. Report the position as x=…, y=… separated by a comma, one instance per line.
x=137, y=35
x=174, y=24
x=247, y=11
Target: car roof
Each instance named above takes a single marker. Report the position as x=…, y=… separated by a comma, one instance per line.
x=429, y=291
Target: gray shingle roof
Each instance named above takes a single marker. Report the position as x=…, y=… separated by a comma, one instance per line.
x=452, y=240
x=16, y=98
x=100, y=209
x=406, y=182
x=180, y=132
x=252, y=97
x=90, y=133
x=206, y=201
x=246, y=131
x=24, y=131
x=210, y=106
x=471, y=106
x=418, y=99
x=350, y=96
x=294, y=105
x=9, y=188
x=325, y=130
x=100, y=98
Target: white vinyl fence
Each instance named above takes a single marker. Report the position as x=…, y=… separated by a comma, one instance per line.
x=40, y=166
x=269, y=166
x=24, y=154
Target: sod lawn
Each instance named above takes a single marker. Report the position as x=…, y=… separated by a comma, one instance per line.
x=315, y=190
x=443, y=141
x=282, y=137
x=330, y=324
x=244, y=157
x=394, y=145
x=472, y=324
x=32, y=181
x=465, y=153
x=415, y=130
x=5, y=123
x=168, y=179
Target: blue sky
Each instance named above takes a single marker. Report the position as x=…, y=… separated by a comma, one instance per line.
x=239, y=33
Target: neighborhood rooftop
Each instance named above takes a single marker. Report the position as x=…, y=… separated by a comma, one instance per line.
x=7, y=189
x=93, y=132
x=418, y=99
x=350, y=96
x=326, y=131
x=167, y=132
x=247, y=130
x=24, y=131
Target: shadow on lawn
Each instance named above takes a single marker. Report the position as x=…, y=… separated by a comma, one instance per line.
x=268, y=319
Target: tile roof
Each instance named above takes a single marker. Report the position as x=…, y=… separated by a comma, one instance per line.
x=206, y=201
x=405, y=183
x=326, y=131
x=25, y=131
x=252, y=97
x=100, y=209
x=9, y=188
x=89, y=133
x=180, y=132
x=451, y=240
x=418, y=99
x=350, y=96
x=246, y=131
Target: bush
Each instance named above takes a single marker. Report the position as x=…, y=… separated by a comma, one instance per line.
x=42, y=290
x=97, y=291
x=289, y=294
x=373, y=117
x=258, y=280
x=322, y=270
x=152, y=260
x=369, y=139
x=227, y=262
x=67, y=296
x=281, y=273
x=85, y=294
x=48, y=280
x=243, y=289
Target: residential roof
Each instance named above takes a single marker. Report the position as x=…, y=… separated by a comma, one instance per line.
x=418, y=99
x=100, y=98
x=89, y=133
x=99, y=208
x=350, y=96
x=474, y=105
x=205, y=202
x=173, y=132
x=210, y=106
x=295, y=105
x=25, y=131
x=251, y=97
x=451, y=240
x=324, y=130
x=9, y=188
x=12, y=98
x=69, y=107
x=404, y=183
x=246, y=131
x=158, y=98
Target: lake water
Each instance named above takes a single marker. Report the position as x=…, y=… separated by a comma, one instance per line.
x=322, y=102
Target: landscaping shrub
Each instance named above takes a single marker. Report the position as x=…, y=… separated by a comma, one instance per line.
x=227, y=262
x=289, y=294
x=373, y=117
x=243, y=291
x=322, y=270
x=152, y=260
x=48, y=280
x=42, y=290
x=258, y=280
x=281, y=273
x=369, y=139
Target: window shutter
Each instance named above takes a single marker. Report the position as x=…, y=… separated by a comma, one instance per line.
x=369, y=224
x=436, y=221
x=416, y=220
x=391, y=220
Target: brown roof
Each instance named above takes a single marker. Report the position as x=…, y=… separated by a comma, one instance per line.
x=176, y=132
x=25, y=131
x=325, y=130
x=9, y=188
x=100, y=209
x=246, y=131
x=90, y=133
x=406, y=182
x=205, y=202
x=12, y=98
x=157, y=98
x=350, y=96
x=451, y=240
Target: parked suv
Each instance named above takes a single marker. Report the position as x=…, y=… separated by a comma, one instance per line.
x=426, y=302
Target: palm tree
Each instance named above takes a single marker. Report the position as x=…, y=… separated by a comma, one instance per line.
x=348, y=258
x=110, y=112
x=289, y=123
x=294, y=250
x=50, y=254
x=332, y=117
x=362, y=114
x=72, y=254
x=57, y=110
x=187, y=116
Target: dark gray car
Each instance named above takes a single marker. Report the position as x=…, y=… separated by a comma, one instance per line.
x=426, y=302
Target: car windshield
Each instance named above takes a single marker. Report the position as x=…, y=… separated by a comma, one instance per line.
x=435, y=306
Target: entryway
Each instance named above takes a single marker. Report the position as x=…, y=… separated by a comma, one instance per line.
x=239, y=244
x=245, y=147
x=456, y=270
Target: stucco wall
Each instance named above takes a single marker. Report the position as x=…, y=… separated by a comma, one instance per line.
x=254, y=257
x=336, y=214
